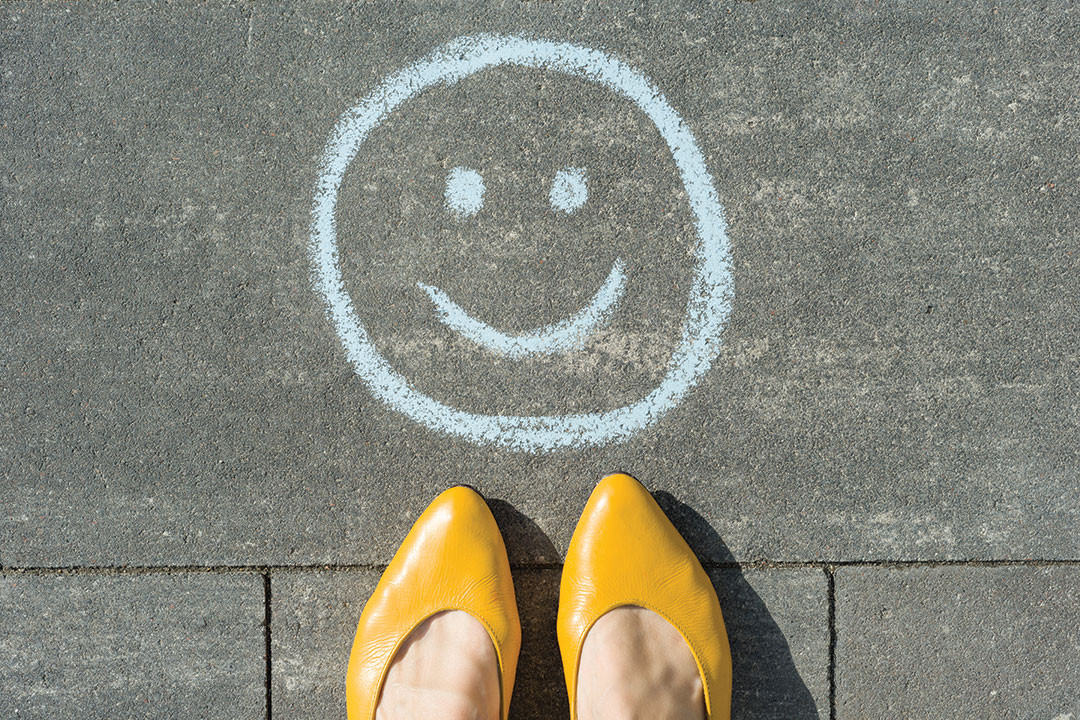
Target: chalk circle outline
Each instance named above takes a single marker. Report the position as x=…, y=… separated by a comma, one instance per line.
x=711, y=291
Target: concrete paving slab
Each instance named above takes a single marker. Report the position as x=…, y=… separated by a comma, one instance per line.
x=132, y=646
x=313, y=616
x=896, y=378
x=948, y=642
x=777, y=620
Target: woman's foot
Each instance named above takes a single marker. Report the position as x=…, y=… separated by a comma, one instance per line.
x=446, y=669
x=636, y=666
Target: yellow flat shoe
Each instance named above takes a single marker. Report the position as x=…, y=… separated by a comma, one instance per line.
x=625, y=551
x=452, y=559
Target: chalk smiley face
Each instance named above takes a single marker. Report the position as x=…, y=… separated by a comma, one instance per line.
x=710, y=293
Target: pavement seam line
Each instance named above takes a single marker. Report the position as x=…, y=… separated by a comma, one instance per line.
x=749, y=565
x=267, y=617
x=830, y=573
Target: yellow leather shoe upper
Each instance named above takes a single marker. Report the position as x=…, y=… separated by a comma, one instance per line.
x=452, y=559
x=625, y=551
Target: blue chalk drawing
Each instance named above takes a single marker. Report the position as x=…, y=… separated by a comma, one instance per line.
x=711, y=291
x=568, y=191
x=464, y=191
x=560, y=337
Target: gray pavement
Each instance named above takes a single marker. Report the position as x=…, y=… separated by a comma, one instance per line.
x=896, y=381
x=950, y=642
x=125, y=646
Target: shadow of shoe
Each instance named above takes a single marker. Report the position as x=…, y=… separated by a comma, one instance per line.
x=766, y=682
x=526, y=543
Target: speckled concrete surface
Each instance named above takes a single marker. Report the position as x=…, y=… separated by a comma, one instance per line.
x=896, y=380
x=946, y=642
x=128, y=646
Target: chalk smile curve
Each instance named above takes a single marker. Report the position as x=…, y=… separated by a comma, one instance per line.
x=560, y=337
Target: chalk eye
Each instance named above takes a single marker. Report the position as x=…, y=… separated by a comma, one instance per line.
x=568, y=191
x=464, y=191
